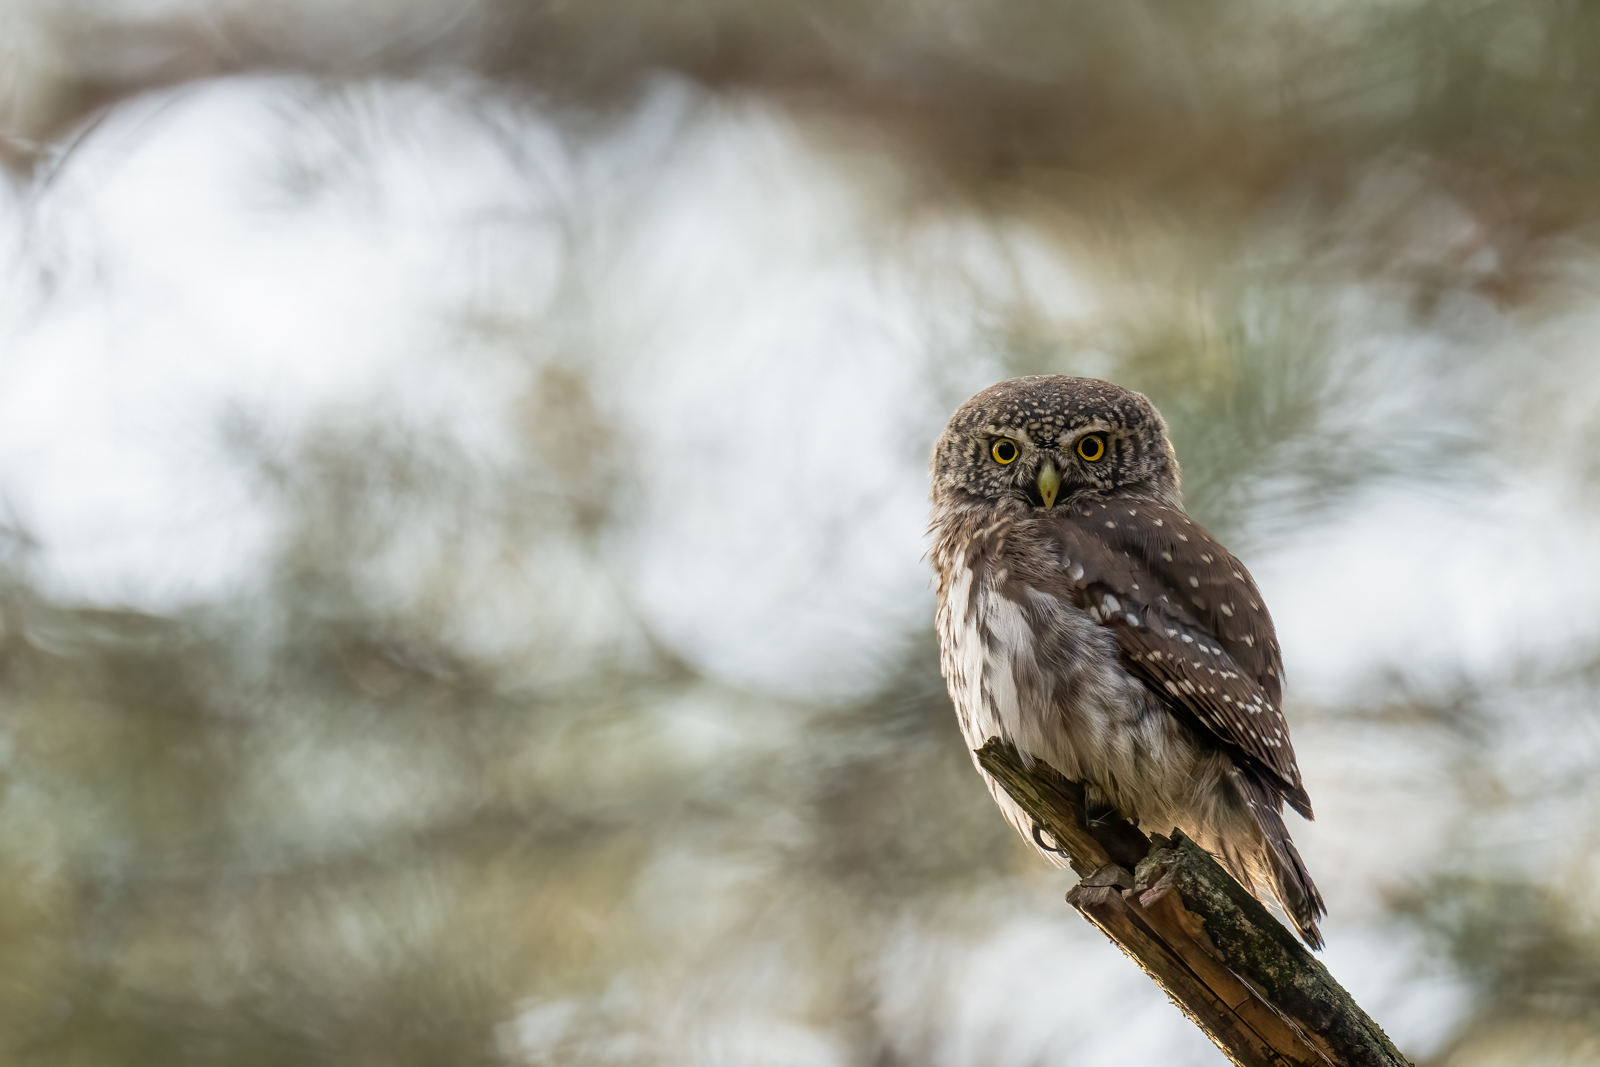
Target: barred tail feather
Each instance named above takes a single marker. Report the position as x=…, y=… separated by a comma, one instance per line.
x=1291, y=882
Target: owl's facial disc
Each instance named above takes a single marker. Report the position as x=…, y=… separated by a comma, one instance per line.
x=1035, y=442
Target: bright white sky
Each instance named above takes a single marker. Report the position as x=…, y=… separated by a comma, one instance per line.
x=761, y=322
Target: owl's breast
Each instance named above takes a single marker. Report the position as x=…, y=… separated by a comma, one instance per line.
x=1025, y=664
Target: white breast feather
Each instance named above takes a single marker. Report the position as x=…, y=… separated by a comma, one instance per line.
x=1114, y=735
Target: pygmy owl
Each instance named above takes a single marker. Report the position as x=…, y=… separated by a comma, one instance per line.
x=1085, y=618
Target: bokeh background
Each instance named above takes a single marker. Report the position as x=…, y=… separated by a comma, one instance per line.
x=462, y=498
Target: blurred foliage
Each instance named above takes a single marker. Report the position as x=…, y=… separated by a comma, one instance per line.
x=327, y=820
x=1520, y=943
x=310, y=827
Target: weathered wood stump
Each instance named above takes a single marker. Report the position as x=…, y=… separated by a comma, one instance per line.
x=1236, y=971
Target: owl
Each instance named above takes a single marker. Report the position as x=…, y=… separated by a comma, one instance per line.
x=1086, y=619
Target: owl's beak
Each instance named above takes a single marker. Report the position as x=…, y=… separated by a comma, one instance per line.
x=1049, y=483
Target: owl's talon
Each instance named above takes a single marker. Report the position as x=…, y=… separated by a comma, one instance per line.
x=1039, y=840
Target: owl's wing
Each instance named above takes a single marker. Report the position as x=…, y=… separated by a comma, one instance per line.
x=1188, y=618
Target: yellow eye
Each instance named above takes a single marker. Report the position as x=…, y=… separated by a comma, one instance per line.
x=1091, y=447
x=1004, y=451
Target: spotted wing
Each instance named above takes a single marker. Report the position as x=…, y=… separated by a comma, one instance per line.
x=1188, y=618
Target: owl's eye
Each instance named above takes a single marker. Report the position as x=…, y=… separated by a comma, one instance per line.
x=1004, y=451
x=1091, y=447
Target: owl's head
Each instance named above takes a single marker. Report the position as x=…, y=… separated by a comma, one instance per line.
x=1035, y=442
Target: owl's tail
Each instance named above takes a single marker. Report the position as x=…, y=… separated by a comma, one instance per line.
x=1291, y=882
